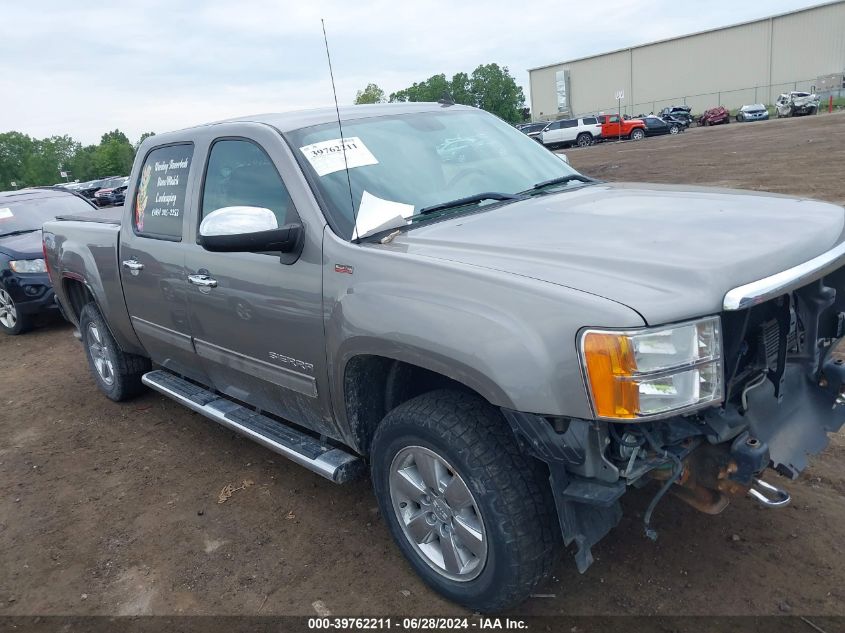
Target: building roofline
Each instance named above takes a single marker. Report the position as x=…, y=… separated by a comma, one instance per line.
x=686, y=35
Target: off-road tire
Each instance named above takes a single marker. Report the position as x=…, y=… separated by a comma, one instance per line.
x=637, y=134
x=511, y=490
x=127, y=368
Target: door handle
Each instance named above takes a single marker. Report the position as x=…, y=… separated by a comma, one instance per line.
x=203, y=281
x=133, y=266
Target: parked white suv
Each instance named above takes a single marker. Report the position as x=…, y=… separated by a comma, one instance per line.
x=581, y=132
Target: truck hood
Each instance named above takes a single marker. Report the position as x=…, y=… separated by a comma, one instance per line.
x=668, y=252
x=23, y=246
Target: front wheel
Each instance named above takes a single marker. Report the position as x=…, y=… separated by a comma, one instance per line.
x=471, y=514
x=12, y=322
x=637, y=134
x=118, y=374
x=674, y=129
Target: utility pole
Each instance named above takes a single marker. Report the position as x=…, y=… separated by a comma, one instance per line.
x=620, y=94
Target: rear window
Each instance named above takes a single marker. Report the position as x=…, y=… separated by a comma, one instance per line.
x=25, y=215
x=160, y=196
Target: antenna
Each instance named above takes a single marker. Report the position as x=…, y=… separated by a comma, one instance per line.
x=340, y=126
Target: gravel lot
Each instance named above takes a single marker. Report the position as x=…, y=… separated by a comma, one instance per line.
x=113, y=508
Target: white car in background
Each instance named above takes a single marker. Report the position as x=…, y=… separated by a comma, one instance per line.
x=581, y=132
x=797, y=104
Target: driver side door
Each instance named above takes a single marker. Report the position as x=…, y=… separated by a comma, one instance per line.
x=256, y=317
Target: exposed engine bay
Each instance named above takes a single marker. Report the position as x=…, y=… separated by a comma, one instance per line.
x=784, y=384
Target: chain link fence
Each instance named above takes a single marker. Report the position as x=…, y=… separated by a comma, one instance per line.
x=730, y=99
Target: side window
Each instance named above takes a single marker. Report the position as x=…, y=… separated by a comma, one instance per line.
x=240, y=174
x=614, y=118
x=160, y=197
x=590, y=121
x=569, y=123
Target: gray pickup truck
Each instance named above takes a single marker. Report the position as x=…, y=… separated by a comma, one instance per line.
x=506, y=344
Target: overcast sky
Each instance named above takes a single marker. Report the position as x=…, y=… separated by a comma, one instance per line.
x=82, y=68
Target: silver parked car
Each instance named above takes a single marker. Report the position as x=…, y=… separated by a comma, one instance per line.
x=753, y=112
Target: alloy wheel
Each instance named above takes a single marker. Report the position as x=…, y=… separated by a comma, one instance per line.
x=438, y=513
x=100, y=355
x=8, y=312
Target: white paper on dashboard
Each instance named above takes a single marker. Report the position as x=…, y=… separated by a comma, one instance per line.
x=327, y=157
x=5, y=213
x=376, y=213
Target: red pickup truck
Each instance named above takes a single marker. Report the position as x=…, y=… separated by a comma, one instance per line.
x=633, y=129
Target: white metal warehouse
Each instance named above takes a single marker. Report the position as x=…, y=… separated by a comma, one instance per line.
x=746, y=63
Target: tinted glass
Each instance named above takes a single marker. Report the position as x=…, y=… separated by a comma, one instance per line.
x=30, y=214
x=160, y=197
x=590, y=121
x=569, y=123
x=240, y=173
x=403, y=163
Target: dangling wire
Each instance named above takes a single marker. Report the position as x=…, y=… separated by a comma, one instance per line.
x=679, y=468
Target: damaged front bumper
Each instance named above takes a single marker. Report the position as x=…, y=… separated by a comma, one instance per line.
x=704, y=459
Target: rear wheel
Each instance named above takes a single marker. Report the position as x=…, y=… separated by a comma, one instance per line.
x=12, y=322
x=584, y=140
x=468, y=510
x=118, y=374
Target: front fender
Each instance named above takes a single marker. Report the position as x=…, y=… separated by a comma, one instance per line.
x=510, y=338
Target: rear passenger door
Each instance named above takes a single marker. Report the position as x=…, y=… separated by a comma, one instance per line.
x=152, y=258
x=258, y=330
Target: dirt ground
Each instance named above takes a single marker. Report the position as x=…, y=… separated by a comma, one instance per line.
x=113, y=508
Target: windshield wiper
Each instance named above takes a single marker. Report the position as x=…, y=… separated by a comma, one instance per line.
x=562, y=180
x=20, y=232
x=474, y=199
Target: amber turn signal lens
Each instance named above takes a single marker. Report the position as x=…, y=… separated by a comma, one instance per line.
x=608, y=358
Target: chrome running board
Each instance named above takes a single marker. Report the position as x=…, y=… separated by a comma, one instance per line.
x=330, y=462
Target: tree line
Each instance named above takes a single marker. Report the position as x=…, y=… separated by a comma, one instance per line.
x=30, y=162
x=490, y=87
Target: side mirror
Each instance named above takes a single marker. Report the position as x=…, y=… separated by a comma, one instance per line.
x=247, y=229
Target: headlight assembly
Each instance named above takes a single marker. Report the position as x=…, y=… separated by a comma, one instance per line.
x=653, y=372
x=28, y=266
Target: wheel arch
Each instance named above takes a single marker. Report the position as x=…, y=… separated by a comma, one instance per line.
x=77, y=293
x=369, y=385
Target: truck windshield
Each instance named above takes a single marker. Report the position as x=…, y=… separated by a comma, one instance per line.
x=400, y=164
x=29, y=214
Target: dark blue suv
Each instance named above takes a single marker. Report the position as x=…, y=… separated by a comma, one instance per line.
x=25, y=288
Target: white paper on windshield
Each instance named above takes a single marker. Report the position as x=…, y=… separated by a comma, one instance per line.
x=326, y=157
x=375, y=213
x=5, y=213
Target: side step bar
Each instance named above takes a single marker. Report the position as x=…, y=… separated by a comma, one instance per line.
x=330, y=462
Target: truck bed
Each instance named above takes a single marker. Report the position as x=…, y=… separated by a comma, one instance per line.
x=108, y=215
x=83, y=250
